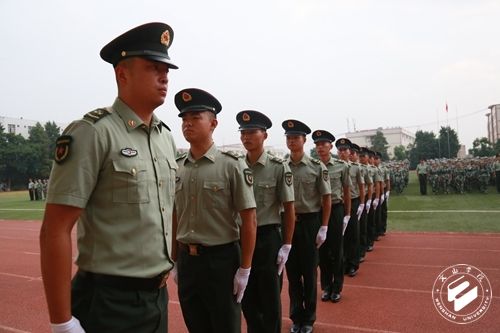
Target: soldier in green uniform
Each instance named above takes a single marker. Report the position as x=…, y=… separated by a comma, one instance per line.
x=331, y=252
x=422, y=171
x=384, y=197
x=212, y=188
x=312, y=211
x=273, y=189
x=114, y=173
x=363, y=218
x=497, y=172
x=378, y=212
x=372, y=209
x=351, y=237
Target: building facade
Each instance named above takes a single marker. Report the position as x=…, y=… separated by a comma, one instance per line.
x=493, y=123
x=395, y=136
x=22, y=126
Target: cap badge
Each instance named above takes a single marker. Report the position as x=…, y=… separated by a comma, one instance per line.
x=290, y=124
x=246, y=117
x=318, y=133
x=186, y=97
x=165, y=38
x=342, y=141
x=123, y=54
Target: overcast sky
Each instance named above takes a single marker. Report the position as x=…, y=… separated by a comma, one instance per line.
x=331, y=64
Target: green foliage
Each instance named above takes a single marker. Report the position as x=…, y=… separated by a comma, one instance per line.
x=425, y=146
x=313, y=153
x=448, y=142
x=21, y=159
x=497, y=147
x=482, y=147
x=400, y=153
x=380, y=144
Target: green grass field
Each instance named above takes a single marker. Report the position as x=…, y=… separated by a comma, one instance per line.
x=409, y=211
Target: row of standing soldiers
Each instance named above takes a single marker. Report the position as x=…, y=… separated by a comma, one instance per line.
x=457, y=175
x=37, y=189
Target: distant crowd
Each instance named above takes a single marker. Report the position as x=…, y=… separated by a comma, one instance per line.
x=37, y=189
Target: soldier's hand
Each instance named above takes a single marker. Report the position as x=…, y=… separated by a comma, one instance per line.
x=283, y=257
x=387, y=195
x=240, y=283
x=173, y=273
x=345, y=222
x=361, y=207
x=375, y=203
x=321, y=236
x=71, y=326
x=382, y=198
x=368, y=205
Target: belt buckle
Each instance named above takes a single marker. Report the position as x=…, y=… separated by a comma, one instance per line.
x=193, y=250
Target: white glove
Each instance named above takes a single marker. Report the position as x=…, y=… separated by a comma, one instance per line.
x=382, y=198
x=345, y=222
x=283, y=257
x=321, y=236
x=173, y=273
x=375, y=203
x=368, y=205
x=361, y=207
x=71, y=326
x=240, y=283
x=387, y=195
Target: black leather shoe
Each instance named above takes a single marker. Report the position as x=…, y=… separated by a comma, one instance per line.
x=295, y=328
x=370, y=248
x=362, y=259
x=325, y=296
x=335, y=297
x=306, y=329
x=352, y=272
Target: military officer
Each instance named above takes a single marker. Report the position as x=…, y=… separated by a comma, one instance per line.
x=422, y=171
x=351, y=237
x=273, y=189
x=212, y=187
x=114, y=172
x=363, y=218
x=331, y=252
x=312, y=209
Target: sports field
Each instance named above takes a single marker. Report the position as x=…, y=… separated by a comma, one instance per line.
x=393, y=291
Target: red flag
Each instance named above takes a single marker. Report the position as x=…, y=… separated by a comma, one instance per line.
x=446, y=107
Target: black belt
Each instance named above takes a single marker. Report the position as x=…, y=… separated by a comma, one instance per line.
x=305, y=216
x=198, y=249
x=268, y=227
x=125, y=282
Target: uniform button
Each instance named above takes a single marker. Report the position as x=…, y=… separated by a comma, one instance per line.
x=192, y=180
x=154, y=159
x=196, y=165
x=133, y=171
x=159, y=183
x=162, y=209
x=191, y=231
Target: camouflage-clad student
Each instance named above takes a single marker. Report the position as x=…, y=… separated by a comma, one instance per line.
x=273, y=188
x=213, y=252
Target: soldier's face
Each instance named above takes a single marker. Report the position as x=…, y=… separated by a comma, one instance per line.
x=295, y=142
x=198, y=126
x=343, y=153
x=363, y=158
x=353, y=156
x=323, y=149
x=144, y=81
x=253, y=139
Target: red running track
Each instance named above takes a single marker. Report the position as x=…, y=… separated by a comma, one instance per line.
x=391, y=293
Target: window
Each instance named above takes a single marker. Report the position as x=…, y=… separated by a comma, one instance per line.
x=11, y=128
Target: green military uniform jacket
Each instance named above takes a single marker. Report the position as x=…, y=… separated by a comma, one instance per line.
x=310, y=182
x=338, y=171
x=122, y=173
x=497, y=166
x=367, y=177
x=422, y=169
x=272, y=185
x=356, y=176
x=209, y=194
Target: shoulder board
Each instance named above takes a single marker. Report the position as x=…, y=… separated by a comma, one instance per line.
x=338, y=160
x=315, y=160
x=96, y=115
x=231, y=153
x=276, y=159
x=181, y=156
x=165, y=125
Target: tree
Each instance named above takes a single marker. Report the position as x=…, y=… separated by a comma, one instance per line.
x=53, y=131
x=497, y=147
x=379, y=143
x=400, y=153
x=40, y=161
x=448, y=138
x=425, y=146
x=482, y=147
x=313, y=153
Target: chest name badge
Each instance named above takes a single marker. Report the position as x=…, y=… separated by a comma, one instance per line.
x=129, y=152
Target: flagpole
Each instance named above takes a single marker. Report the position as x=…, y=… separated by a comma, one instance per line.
x=439, y=141
x=448, y=130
